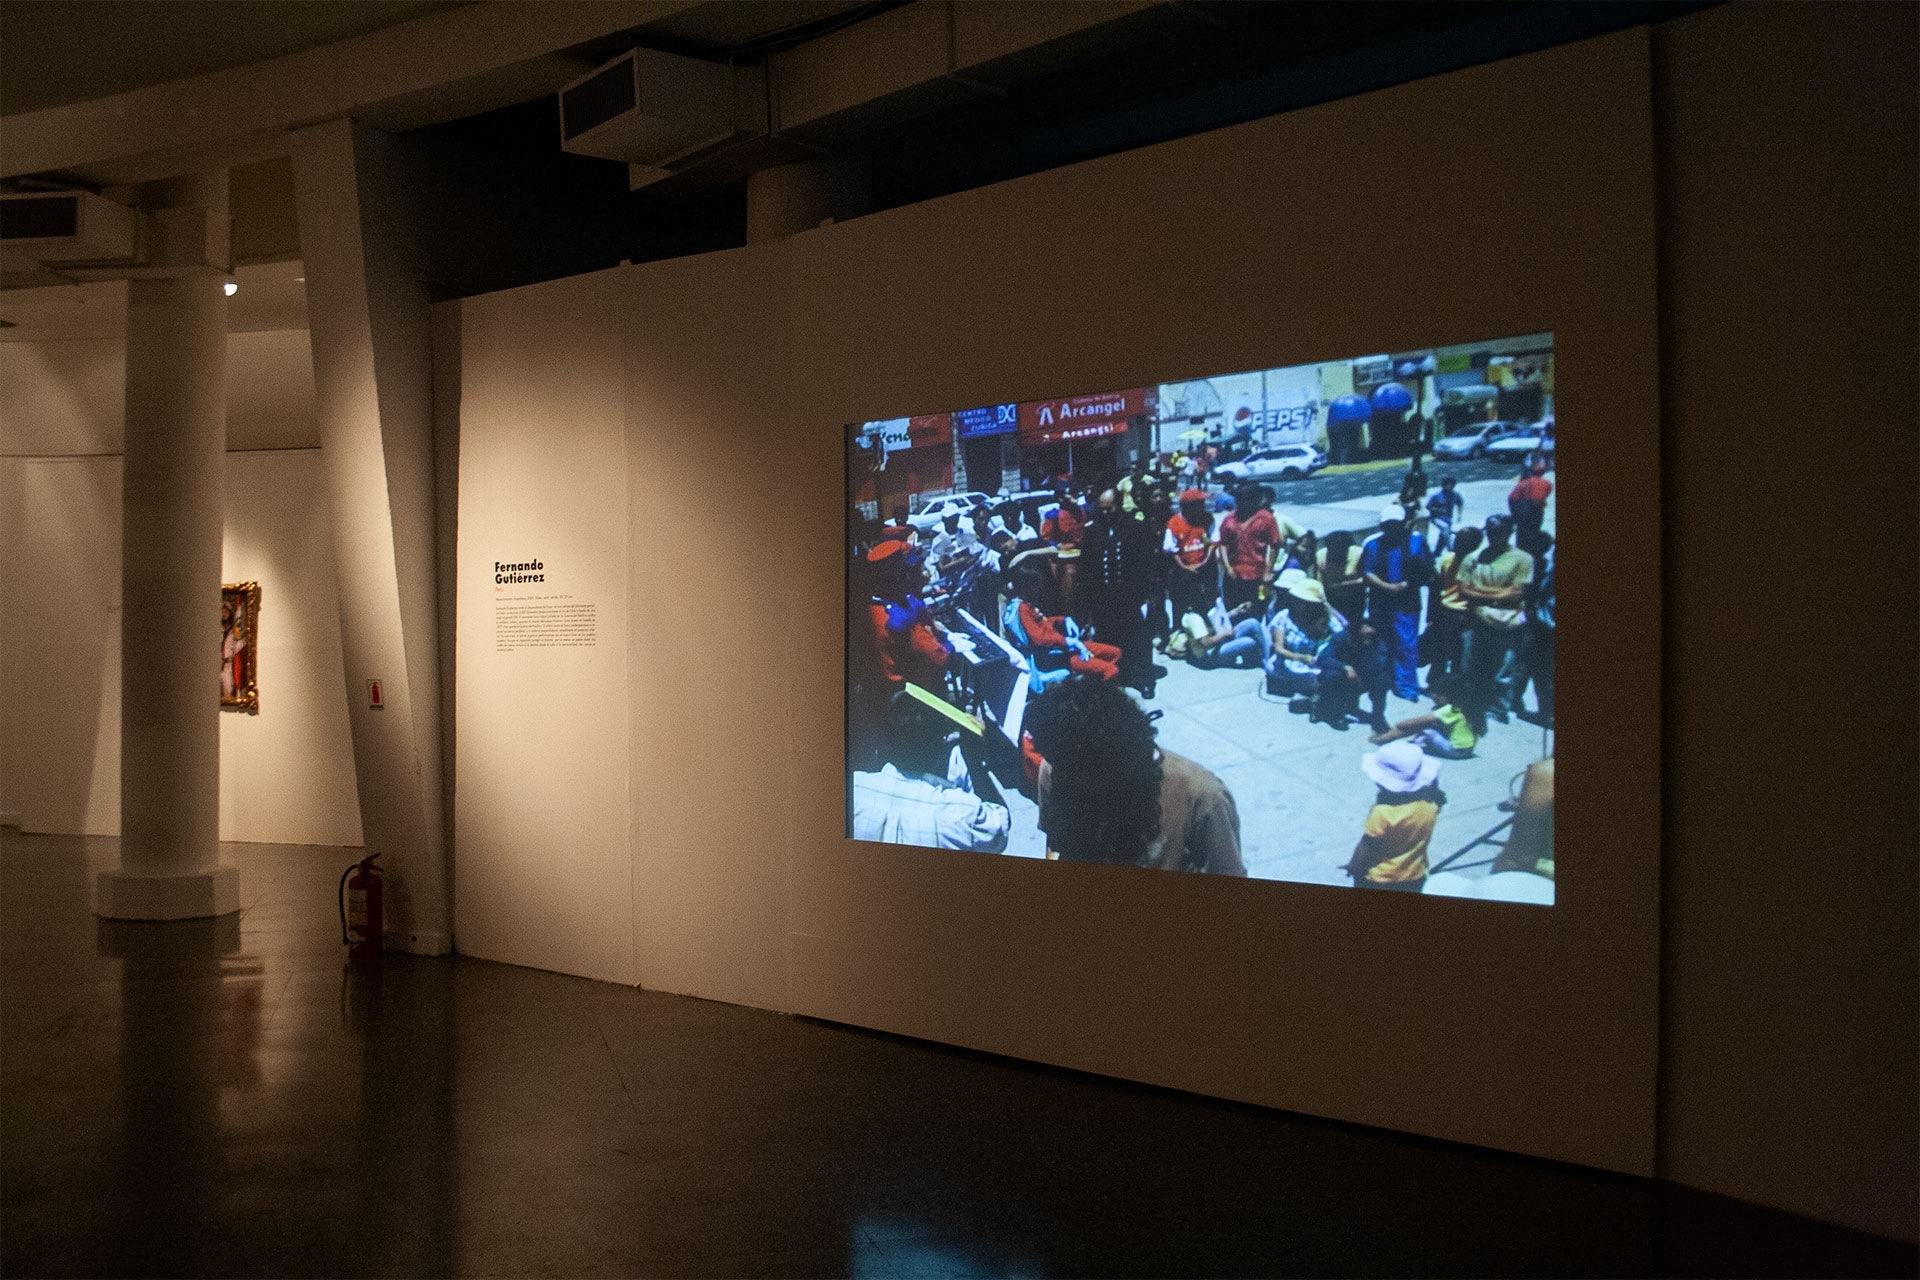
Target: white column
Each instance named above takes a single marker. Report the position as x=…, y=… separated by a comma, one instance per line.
x=176, y=437
x=360, y=197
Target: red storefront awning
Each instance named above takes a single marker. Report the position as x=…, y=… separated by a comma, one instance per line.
x=1083, y=417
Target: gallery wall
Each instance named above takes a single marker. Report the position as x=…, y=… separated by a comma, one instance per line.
x=1785, y=218
x=544, y=873
x=287, y=773
x=1791, y=1010
x=1230, y=250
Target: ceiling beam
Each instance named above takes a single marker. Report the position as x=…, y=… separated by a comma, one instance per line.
x=435, y=68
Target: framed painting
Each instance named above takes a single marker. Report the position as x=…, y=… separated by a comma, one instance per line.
x=240, y=647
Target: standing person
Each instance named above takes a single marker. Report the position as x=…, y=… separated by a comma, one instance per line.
x=1448, y=616
x=1114, y=586
x=1392, y=853
x=1536, y=645
x=1396, y=566
x=1066, y=525
x=1528, y=499
x=1414, y=488
x=1443, y=509
x=1494, y=584
x=1338, y=561
x=1250, y=537
x=1132, y=486
x=1109, y=795
x=1156, y=509
x=1193, y=578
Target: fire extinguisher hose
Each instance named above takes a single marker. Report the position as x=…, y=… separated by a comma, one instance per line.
x=351, y=868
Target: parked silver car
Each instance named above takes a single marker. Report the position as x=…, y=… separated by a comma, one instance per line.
x=1475, y=440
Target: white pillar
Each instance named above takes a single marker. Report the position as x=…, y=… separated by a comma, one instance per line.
x=360, y=197
x=176, y=437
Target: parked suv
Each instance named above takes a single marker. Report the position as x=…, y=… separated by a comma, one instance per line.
x=1287, y=462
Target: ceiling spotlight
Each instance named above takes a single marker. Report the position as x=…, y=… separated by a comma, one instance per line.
x=230, y=288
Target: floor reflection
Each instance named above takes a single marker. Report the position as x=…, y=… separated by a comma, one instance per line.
x=889, y=1247
x=187, y=1031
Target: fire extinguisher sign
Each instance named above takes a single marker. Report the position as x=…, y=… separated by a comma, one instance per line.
x=374, y=702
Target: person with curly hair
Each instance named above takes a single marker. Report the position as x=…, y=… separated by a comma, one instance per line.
x=1109, y=795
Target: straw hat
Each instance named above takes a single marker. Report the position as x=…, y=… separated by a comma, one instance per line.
x=1309, y=590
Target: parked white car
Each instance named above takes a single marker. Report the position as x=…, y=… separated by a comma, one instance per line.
x=1518, y=444
x=1475, y=440
x=1287, y=462
x=930, y=517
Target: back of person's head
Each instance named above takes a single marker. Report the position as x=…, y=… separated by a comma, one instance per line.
x=1103, y=799
x=1339, y=542
x=918, y=738
x=1467, y=541
x=1534, y=541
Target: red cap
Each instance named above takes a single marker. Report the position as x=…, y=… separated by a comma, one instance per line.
x=1193, y=495
x=886, y=549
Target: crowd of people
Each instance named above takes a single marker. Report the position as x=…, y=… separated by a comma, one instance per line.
x=1098, y=588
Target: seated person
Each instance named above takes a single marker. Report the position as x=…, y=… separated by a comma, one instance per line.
x=1301, y=627
x=928, y=793
x=1446, y=734
x=1238, y=638
x=908, y=640
x=1054, y=642
x=1109, y=795
x=1353, y=662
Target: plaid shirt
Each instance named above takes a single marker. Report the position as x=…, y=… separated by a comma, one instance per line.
x=893, y=808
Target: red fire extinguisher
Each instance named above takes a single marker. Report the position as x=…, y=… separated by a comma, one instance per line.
x=362, y=914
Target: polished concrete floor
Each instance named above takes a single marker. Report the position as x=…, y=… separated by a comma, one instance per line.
x=227, y=1098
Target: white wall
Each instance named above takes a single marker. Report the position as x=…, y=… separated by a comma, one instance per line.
x=1792, y=1013
x=540, y=810
x=69, y=397
x=738, y=371
x=286, y=774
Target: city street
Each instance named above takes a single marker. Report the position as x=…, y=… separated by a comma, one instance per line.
x=1381, y=480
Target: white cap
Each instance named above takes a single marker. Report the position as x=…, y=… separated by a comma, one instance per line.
x=1392, y=511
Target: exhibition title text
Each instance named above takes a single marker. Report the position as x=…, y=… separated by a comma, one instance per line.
x=532, y=571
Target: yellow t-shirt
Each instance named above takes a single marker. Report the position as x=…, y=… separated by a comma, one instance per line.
x=1459, y=730
x=1400, y=833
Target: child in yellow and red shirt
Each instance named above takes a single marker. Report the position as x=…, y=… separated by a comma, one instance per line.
x=1392, y=853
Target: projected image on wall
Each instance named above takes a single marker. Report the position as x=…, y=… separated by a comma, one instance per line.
x=1293, y=624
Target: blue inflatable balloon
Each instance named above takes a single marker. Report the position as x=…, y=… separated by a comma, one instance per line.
x=1389, y=397
x=1349, y=409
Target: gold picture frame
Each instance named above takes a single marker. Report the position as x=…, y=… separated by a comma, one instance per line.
x=240, y=647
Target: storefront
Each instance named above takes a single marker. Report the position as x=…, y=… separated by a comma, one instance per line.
x=986, y=436
x=1082, y=436
x=902, y=461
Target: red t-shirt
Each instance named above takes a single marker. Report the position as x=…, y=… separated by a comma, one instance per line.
x=1189, y=542
x=1532, y=489
x=1064, y=527
x=1247, y=542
